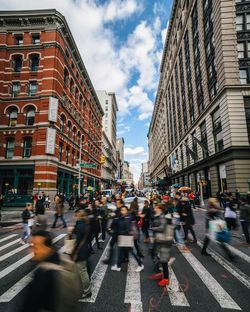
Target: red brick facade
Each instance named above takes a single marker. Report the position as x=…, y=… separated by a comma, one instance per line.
x=39, y=60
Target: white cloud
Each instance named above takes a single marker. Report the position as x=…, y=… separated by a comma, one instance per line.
x=129, y=151
x=123, y=129
x=117, y=9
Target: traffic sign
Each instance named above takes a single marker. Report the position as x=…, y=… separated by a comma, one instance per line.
x=88, y=165
x=102, y=159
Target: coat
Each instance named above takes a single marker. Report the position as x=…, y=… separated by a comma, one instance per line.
x=158, y=227
x=81, y=232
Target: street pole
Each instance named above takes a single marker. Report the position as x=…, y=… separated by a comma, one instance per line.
x=201, y=191
x=79, y=168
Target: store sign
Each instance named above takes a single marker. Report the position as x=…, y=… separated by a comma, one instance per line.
x=50, y=141
x=53, y=109
x=222, y=169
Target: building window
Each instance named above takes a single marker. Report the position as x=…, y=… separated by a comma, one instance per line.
x=71, y=88
x=72, y=158
x=17, y=63
x=67, y=156
x=27, y=147
x=217, y=131
x=35, y=39
x=34, y=65
x=241, y=50
x=203, y=130
x=65, y=77
x=16, y=88
x=62, y=123
x=30, y=117
x=33, y=86
x=243, y=76
x=239, y=22
x=10, y=146
x=60, y=151
x=13, y=118
x=247, y=111
x=69, y=129
x=19, y=40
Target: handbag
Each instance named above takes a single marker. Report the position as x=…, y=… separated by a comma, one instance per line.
x=69, y=245
x=125, y=241
x=223, y=236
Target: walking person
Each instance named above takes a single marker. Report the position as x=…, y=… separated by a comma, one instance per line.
x=59, y=210
x=188, y=220
x=213, y=214
x=27, y=217
x=237, y=198
x=245, y=217
x=104, y=218
x=40, y=219
x=230, y=216
x=81, y=251
x=146, y=216
x=71, y=201
x=163, y=235
x=124, y=229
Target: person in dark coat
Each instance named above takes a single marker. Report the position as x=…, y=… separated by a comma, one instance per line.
x=146, y=216
x=245, y=217
x=187, y=219
x=81, y=252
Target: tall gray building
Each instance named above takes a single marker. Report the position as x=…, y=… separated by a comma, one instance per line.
x=200, y=128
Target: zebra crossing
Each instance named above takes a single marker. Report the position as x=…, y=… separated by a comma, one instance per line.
x=14, y=257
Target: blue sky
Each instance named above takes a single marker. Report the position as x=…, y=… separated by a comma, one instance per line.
x=121, y=43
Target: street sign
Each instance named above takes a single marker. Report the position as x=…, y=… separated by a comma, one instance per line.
x=102, y=159
x=88, y=165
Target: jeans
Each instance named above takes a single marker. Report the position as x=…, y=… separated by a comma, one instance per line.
x=122, y=251
x=56, y=218
x=83, y=271
x=26, y=231
x=245, y=229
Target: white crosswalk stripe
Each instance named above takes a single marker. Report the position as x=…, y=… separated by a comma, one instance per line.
x=176, y=295
x=13, y=252
x=7, y=238
x=239, y=253
x=221, y=296
x=133, y=287
x=10, y=244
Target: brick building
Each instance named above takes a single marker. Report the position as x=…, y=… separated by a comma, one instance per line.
x=48, y=106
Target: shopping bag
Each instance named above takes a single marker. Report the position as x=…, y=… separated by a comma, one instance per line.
x=69, y=245
x=125, y=241
x=215, y=227
x=223, y=236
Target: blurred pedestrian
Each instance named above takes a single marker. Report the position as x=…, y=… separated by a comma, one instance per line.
x=59, y=202
x=245, y=217
x=146, y=216
x=27, y=217
x=56, y=284
x=104, y=218
x=71, y=201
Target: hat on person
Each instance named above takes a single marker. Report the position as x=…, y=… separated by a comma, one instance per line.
x=165, y=197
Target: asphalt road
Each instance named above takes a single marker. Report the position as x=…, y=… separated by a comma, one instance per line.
x=198, y=283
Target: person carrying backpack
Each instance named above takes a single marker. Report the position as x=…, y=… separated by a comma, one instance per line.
x=56, y=284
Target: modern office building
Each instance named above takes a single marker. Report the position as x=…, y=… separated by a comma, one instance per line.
x=200, y=128
x=50, y=115
x=110, y=108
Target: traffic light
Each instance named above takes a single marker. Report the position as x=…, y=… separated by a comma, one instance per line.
x=102, y=159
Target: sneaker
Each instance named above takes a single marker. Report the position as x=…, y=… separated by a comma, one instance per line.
x=22, y=242
x=157, y=276
x=140, y=268
x=101, y=241
x=115, y=268
x=163, y=282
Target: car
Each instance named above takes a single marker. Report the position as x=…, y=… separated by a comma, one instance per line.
x=127, y=202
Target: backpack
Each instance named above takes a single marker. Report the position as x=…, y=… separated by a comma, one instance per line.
x=69, y=288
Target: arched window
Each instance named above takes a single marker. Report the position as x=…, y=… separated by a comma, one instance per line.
x=62, y=123
x=74, y=134
x=60, y=152
x=81, y=101
x=27, y=147
x=76, y=94
x=72, y=158
x=78, y=138
x=67, y=155
x=10, y=146
x=34, y=63
x=69, y=128
x=13, y=117
x=65, y=77
x=30, y=117
x=17, y=63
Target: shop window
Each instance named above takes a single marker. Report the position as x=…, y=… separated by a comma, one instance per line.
x=16, y=88
x=13, y=118
x=17, y=63
x=27, y=147
x=33, y=86
x=10, y=146
x=36, y=39
x=30, y=117
x=19, y=39
x=60, y=152
x=34, y=63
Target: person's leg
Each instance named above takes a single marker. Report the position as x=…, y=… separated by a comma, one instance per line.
x=111, y=250
x=244, y=225
x=192, y=232
x=227, y=251
x=83, y=271
x=63, y=221
x=24, y=234
x=139, y=253
x=205, y=245
x=121, y=251
x=185, y=229
x=97, y=240
x=55, y=220
x=165, y=270
x=134, y=255
x=104, y=226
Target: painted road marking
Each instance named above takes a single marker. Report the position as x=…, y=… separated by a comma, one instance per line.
x=23, y=260
x=97, y=277
x=242, y=277
x=221, y=296
x=13, y=252
x=10, y=244
x=176, y=295
x=133, y=287
x=239, y=253
x=8, y=237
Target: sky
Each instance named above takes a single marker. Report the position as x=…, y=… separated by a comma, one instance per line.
x=121, y=43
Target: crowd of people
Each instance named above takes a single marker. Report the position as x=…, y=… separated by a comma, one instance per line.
x=164, y=222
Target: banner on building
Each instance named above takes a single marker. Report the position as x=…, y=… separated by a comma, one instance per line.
x=222, y=169
x=50, y=141
x=53, y=109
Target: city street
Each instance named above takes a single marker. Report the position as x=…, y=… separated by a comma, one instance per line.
x=198, y=283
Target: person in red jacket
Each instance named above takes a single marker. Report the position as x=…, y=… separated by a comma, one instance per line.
x=192, y=199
